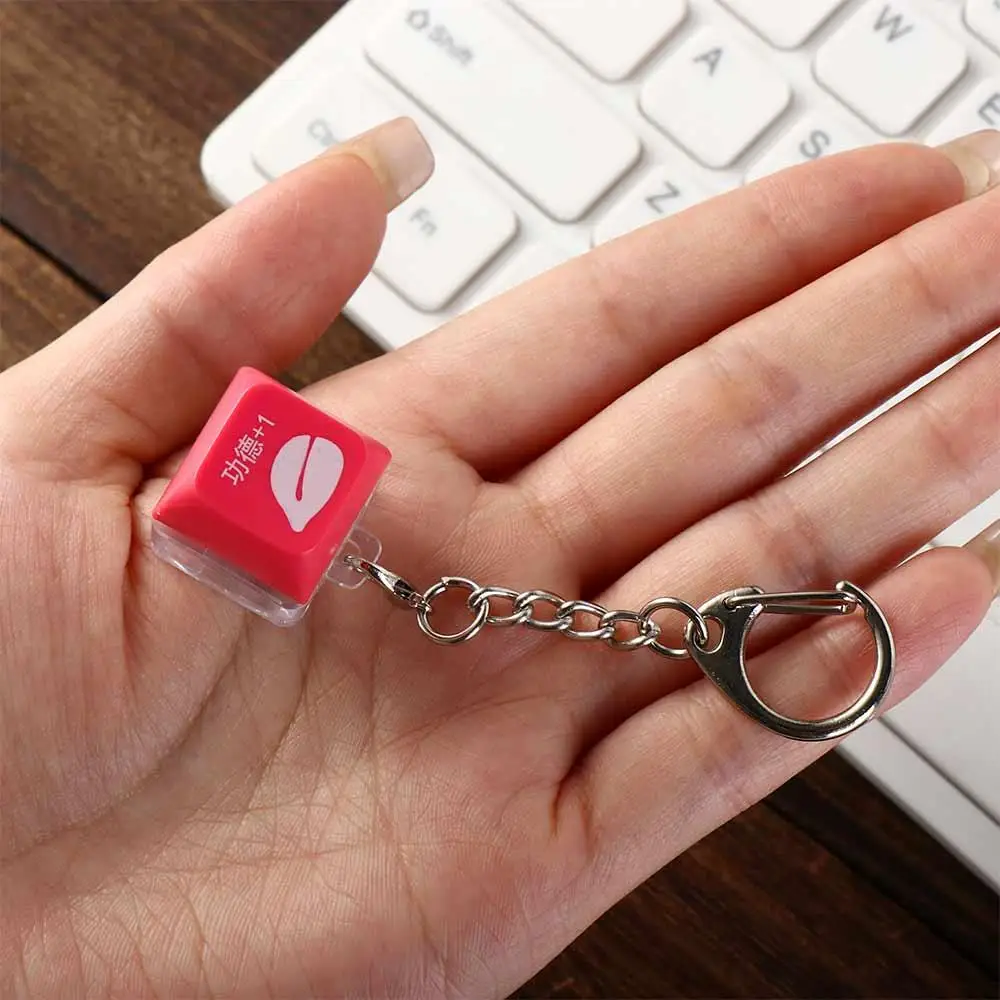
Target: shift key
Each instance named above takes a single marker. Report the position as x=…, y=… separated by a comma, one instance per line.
x=535, y=125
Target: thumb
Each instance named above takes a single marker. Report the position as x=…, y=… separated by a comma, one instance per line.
x=256, y=286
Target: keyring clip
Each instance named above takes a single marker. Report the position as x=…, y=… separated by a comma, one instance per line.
x=725, y=663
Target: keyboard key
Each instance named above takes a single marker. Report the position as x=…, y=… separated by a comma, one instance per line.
x=890, y=64
x=610, y=37
x=983, y=17
x=540, y=129
x=714, y=97
x=437, y=240
x=978, y=109
x=812, y=136
x=534, y=260
x=663, y=191
x=784, y=23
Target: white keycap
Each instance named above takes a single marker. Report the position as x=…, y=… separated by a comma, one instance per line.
x=965, y=690
x=533, y=260
x=540, y=129
x=983, y=17
x=890, y=64
x=978, y=109
x=435, y=244
x=714, y=97
x=610, y=37
x=811, y=137
x=662, y=191
x=437, y=240
x=784, y=23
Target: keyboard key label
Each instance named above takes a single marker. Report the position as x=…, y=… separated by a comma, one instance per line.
x=893, y=25
x=989, y=110
x=714, y=97
x=438, y=34
x=890, y=64
x=978, y=109
x=661, y=193
x=813, y=136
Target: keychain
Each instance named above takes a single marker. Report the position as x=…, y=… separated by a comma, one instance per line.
x=268, y=505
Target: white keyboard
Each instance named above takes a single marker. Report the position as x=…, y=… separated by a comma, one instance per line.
x=559, y=124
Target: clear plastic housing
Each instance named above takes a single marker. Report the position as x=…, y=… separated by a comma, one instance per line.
x=203, y=565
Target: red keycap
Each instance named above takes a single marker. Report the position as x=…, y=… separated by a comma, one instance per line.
x=273, y=487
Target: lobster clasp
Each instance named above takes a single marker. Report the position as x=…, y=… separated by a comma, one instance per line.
x=725, y=663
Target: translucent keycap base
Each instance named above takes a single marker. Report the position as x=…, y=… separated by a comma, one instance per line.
x=200, y=563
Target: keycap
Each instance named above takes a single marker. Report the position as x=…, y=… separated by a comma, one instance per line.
x=784, y=23
x=978, y=109
x=437, y=240
x=890, y=63
x=983, y=17
x=663, y=191
x=540, y=129
x=714, y=97
x=810, y=137
x=273, y=487
x=533, y=260
x=610, y=37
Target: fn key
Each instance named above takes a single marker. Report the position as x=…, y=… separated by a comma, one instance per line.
x=436, y=241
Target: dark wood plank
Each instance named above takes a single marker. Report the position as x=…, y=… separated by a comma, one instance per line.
x=881, y=844
x=105, y=107
x=760, y=908
x=826, y=889
x=37, y=301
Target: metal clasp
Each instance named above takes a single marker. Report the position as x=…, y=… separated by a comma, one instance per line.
x=394, y=585
x=725, y=664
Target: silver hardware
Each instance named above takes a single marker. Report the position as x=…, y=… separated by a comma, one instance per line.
x=723, y=664
x=648, y=630
x=694, y=619
x=470, y=631
x=395, y=586
x=570, y=609
x=528, y=601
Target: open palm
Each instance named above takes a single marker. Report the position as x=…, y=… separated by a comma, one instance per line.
x=196, y=802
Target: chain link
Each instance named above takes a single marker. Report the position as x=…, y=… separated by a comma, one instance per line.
x=489, y=608
x=723, y=662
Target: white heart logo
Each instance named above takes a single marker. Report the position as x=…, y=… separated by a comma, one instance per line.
x=303, y=477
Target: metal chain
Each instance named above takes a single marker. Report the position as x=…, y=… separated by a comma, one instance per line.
x=723, y=663
x=501, y=607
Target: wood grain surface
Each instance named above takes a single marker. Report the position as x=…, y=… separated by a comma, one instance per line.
x=825, y=889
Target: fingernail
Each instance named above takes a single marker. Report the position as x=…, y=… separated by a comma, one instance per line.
x=977, y=156
x=987, y=547
x=398, y=154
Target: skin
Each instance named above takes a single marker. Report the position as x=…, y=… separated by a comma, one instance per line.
x=195, y=802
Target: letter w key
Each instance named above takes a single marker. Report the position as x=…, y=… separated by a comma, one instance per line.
x=890, y=63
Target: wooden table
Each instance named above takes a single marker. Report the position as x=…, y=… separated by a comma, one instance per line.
x=825, y=889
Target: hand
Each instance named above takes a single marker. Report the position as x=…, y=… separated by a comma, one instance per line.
x=197, y=802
